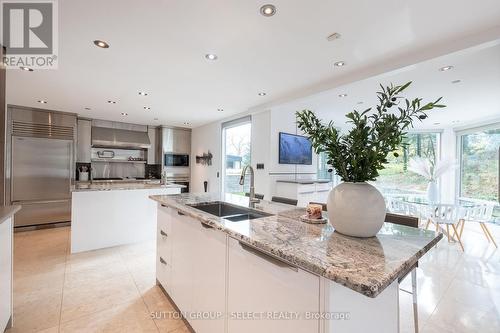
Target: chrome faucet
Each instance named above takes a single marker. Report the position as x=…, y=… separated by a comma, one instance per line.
x=251, y=201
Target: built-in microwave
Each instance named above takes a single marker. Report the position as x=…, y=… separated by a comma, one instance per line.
x=176, y=160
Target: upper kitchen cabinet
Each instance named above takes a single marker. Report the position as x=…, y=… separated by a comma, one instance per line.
x=83, y=144
x=176, y=140
x=154, y=153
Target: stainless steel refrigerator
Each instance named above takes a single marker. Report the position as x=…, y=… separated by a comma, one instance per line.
x=41, y=160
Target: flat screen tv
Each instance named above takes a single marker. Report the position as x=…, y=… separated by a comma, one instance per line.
x=294, y=149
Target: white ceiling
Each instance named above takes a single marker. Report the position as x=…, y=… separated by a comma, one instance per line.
x=474, y=99
x=159, y=47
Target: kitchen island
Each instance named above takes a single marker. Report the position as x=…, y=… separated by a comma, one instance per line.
x=111, y=214
x=274, y=273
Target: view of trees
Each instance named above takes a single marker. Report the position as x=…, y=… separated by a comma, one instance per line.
x=395, y=176
x=237, y=147
x=479, y=172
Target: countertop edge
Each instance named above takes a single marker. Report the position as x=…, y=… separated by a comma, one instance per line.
x=371, y=291
x=8, y=211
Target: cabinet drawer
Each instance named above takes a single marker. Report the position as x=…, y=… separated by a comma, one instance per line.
x=323, y=187
x=306, y=188
x=163, y=272
x=164, y=218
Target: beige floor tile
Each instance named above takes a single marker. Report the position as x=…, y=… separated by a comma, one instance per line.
x=165, y=316
x=92, y=274
x=97, y=296
x=131, y=317
x=37, y=310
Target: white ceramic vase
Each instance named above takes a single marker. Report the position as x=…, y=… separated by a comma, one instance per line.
x=432, y=192
x=356, y=209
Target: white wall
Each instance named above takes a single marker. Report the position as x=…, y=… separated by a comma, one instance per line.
x=449, y=152
x=203, y=139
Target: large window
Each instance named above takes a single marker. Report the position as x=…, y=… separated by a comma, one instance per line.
x=479, y=164
x=395, y=178
x=236, y=144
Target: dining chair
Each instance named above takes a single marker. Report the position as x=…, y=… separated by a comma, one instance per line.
x=403, y=208
x=481, y=214
x=448, y=215
x=409, y=221
x=283, y=200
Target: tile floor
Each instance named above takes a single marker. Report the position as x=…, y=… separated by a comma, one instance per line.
x=114, y=290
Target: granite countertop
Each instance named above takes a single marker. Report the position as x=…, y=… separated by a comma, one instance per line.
x=120, y=186
x=8, y=211
x=304, y=181
x=365, y=265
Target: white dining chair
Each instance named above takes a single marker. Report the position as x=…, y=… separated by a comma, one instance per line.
x=448, y=215
x=481, y=214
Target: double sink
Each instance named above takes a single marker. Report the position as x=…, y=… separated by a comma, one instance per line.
x=229, y=212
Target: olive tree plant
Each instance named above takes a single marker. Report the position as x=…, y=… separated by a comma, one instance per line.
x=359, y=154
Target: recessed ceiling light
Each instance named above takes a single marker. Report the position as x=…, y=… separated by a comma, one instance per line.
x=147, y=108
x=112, y=102
x=437, y=123
x=87, y=108
x=42, y=101
x=187, y=123
x=100, y=43
x=445, y=68
x=359, y=103
x=143, y=93
x=124, y=114
x=333, y=36
x=262, y=94
x=339, y=64
x=220, y=110
x=211, y=56
x=456, y=81
x=26, y=69
x=342, y=95
x=268, y=10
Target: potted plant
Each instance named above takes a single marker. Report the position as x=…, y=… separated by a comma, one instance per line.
x=356, y=208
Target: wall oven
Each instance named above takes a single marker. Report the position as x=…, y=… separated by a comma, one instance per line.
x=176, y=160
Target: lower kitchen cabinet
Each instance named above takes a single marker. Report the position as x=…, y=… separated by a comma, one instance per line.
x=191, y=266
x=5, y=272
x=259, y=285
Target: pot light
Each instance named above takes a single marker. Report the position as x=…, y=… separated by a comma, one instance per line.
x=100, y=43
x=26, y=69
x=339, y=64
x=112, y=102
x=262, y=94
x=187, y=123
x=342, y=95
x=359, y=103
x=124, y=114
x=456, y=81
x=446, y=68
x=143, y=93
x=42, y=101
x=220, y=110
x=211, y=56
x=437, y=123
x=88, y=109
x=268, y=10
x=147, y=108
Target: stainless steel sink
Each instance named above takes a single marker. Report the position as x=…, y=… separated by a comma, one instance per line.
x=230, y=212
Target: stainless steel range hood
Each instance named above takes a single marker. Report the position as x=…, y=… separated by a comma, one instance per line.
x=119, y=138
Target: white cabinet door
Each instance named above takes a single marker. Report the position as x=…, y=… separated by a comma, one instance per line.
x=209, y=299
x=183, y=260
x=164, y=246
x=257, y=284
x=5, y=272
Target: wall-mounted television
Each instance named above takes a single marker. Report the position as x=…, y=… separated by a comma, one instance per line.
x=294, y=149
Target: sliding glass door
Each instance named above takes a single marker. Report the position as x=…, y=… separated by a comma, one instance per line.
x=236, y=148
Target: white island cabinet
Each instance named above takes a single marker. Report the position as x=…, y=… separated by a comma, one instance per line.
x=279, y=295
x=110, y=215
x=191, y=267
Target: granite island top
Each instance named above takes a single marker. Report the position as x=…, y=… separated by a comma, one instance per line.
x=365, y=265
x=8, y=211
x=120, y=186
